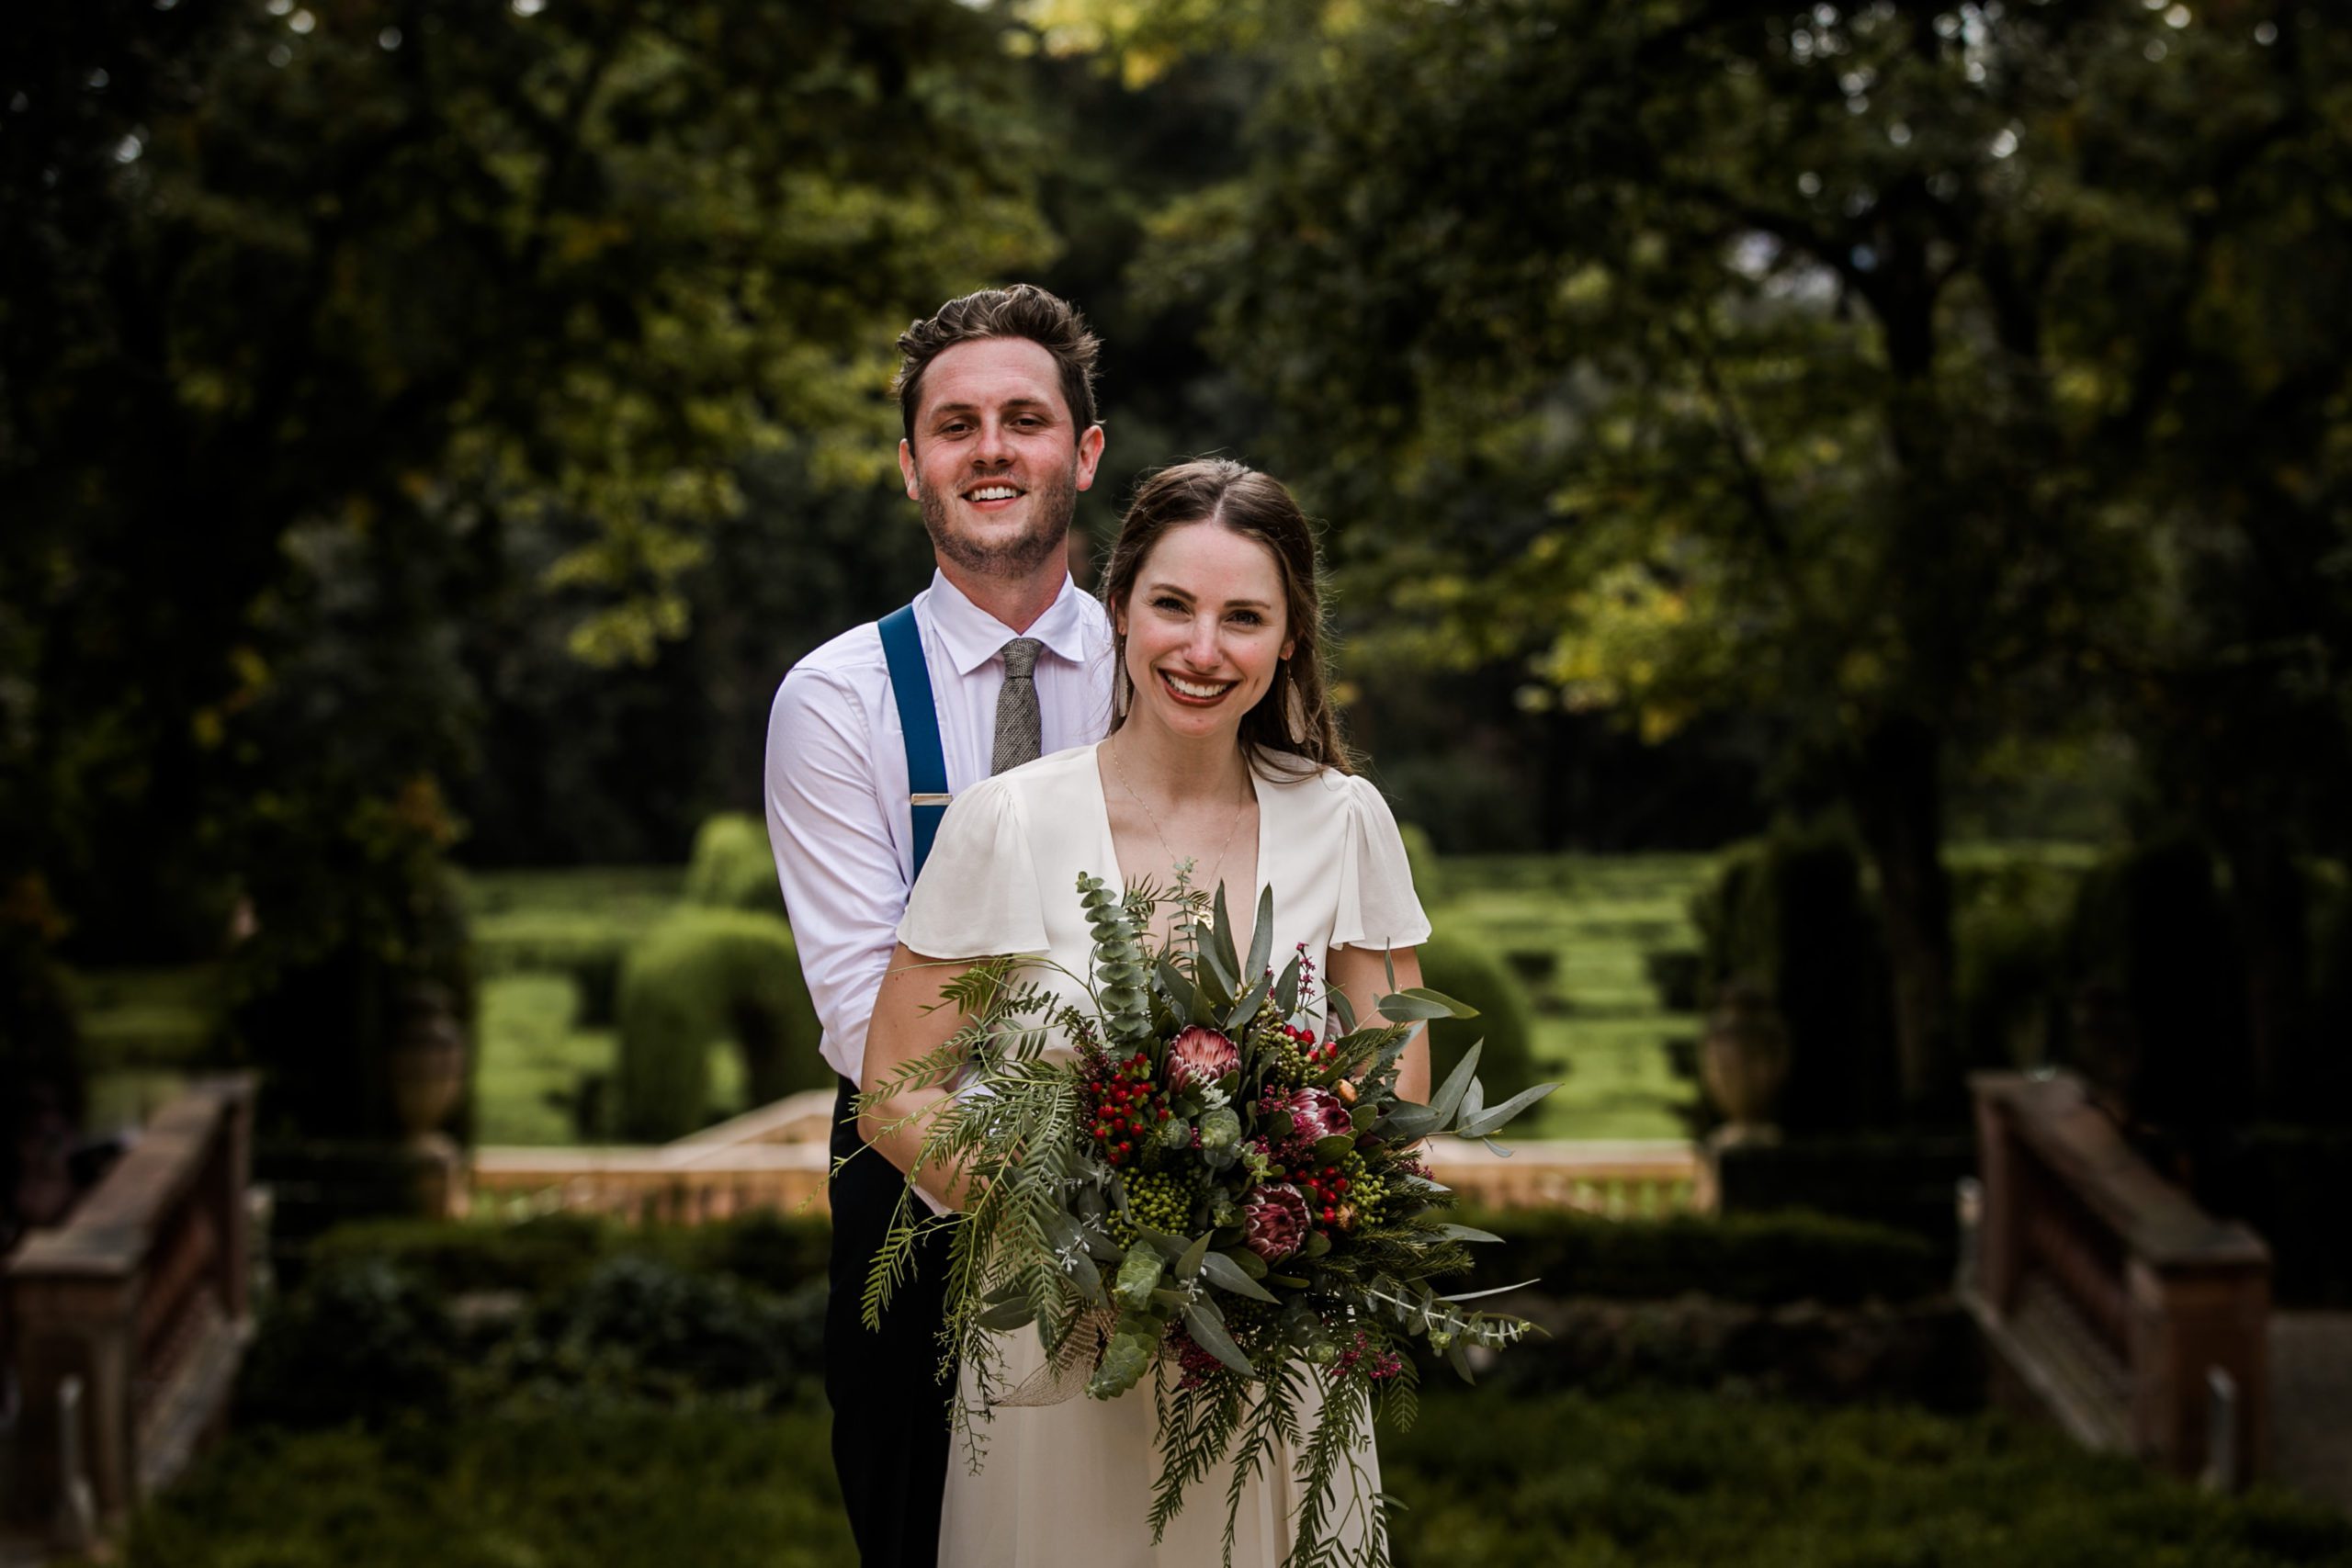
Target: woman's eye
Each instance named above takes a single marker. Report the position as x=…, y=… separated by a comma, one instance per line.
x=1249, y=617
x=1168, y=602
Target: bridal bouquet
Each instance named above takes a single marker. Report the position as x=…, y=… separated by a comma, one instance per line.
x=1217, y=1195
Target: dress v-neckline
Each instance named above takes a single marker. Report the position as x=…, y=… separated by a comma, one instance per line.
x=1237, y=910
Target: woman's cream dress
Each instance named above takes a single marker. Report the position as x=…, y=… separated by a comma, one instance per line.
x=1071, y=1483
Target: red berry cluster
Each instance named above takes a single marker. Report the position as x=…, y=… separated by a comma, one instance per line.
x=1196, y=1364
x=1128, y=1107
x=1370, y=1359
x=1315, y=1055
x=1325, y=1191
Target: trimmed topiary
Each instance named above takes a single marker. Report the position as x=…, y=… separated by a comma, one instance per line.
x=731, y=868
x=703, y=975
x=1505, y=1020
x=1787, y=913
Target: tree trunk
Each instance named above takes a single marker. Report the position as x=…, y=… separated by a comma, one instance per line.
x=1894, y=787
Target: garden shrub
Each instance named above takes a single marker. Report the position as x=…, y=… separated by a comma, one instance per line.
x=1428, y=873
x=703, y=975
x=1569, y=1481
x=641, y=1327
x=618, y=1487
x=537, y=1256
x=777, y=1252
x=1787, y=913
x=1468, y=971
x=360, y=1341
x=732, y=867
x=1762, y=1259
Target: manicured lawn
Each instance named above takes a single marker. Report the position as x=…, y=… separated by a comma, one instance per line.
x=1597, y=1020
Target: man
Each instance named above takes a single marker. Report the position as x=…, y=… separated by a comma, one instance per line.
x=997, y=395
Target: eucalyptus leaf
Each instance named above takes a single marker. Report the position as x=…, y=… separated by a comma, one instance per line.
x=1407, y=1123
x=1457, y=1356
x=1188, y=1265
x=1183, y=994
x=1220, y=949
x=1004, y=1315
x=1335, y=1147
x=1261, y=937
x=1206, y=1325
x=1402, y=1007
x=1342, y=1009
x=1286, y=988
x=1465, y=1233
x=1474, y=1100
x=1457, y=1082
x=1494, y=1117
x=1247, y=1007
x=1226, y=1274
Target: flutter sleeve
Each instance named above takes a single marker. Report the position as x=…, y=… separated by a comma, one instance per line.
x=1378, y=907
x=977, y=895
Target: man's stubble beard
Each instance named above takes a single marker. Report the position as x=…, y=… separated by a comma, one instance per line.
x=1048, y=537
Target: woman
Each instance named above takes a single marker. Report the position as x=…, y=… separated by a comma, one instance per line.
x=1223, y=752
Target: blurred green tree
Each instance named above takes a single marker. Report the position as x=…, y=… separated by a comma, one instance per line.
x=1899, y=371
x=310, y=312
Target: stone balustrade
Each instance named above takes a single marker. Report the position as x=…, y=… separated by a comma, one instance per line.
x=140, y=1303
x=2109, y=1300
x=774, y=1158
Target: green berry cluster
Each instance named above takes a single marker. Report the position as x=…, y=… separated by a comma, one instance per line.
x=1161, y=1200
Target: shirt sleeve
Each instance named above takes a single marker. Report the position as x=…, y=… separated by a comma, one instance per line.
x=844, y=883
x=977, y=895
x=1378, y=905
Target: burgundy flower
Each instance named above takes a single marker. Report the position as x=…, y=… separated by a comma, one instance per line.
x=1274, y=1221
x=1315, y=1114
x=1200, y=1056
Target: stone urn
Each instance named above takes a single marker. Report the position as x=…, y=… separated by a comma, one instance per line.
x=1743, y=1061
x=428, y=1072
x=428, y=1061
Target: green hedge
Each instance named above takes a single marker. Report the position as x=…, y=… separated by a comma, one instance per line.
x=732, y=867
x=1470, y=973
x=615, y=1486
x=1568, y=1480
x=1787, y=913
x=1761, y=1260
x=552, y=1253
x=703, y=975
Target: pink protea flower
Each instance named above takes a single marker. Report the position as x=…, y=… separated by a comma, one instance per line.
x=1200, y=1056
x=1314, y=1113
x=1274, y=1221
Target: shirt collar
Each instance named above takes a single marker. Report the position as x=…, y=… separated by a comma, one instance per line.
x=973, y=637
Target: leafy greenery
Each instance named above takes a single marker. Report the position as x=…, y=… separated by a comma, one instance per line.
x=1883, y=377
x=1664, y=1478
x=1762, y=1259
x=701, y=977
x=1203, y=1225
x=731, y=868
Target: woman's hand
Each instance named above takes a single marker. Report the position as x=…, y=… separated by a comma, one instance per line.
x=910, y=1023
x=1362, y=975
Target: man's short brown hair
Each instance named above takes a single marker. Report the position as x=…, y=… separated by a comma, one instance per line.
x=1024, y=310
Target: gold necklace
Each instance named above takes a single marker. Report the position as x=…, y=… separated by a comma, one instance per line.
x=1153, y=818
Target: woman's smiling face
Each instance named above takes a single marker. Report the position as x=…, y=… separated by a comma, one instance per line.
x=1206, y=629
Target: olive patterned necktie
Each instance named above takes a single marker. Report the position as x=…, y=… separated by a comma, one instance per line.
x=1019, y=731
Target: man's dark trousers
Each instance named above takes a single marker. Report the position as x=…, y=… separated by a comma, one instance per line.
x=891, y=1405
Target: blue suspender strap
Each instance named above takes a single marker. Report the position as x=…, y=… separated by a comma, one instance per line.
x=919, y=724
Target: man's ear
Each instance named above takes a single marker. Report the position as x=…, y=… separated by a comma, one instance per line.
x=1090, y=453
x=907, y=468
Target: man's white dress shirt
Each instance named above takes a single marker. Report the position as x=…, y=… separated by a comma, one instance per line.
x=837, y=807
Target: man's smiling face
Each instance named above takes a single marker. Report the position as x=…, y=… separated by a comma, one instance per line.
x=996, y=461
